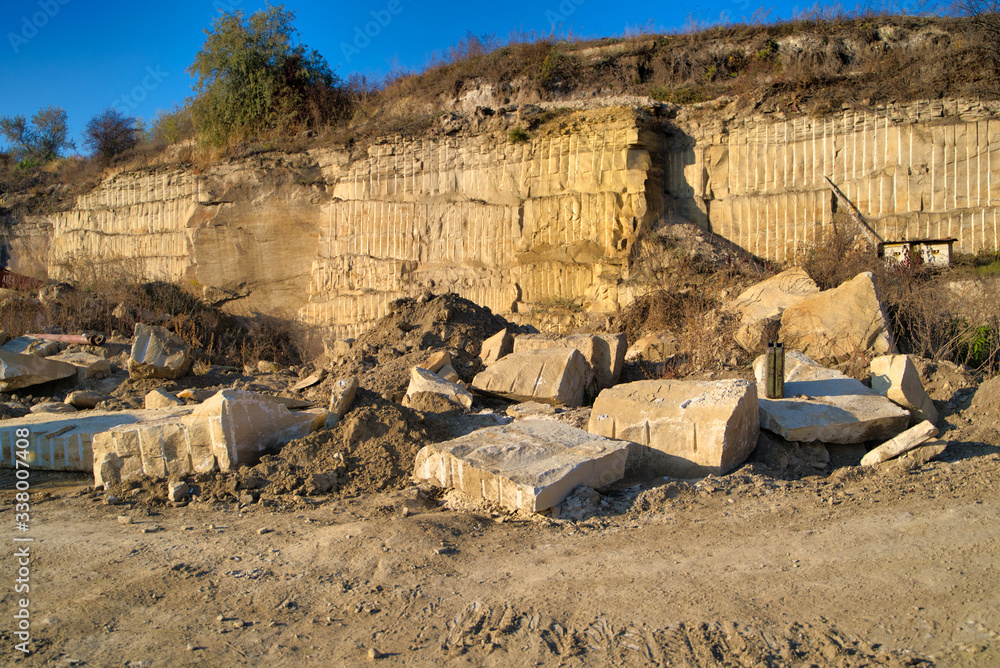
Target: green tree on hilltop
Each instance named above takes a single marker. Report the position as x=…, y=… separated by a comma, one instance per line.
x=253, y=76
x=45, y=137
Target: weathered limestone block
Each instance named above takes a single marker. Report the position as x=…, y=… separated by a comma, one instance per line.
x=158, y=353
x=52, y=407
x=497, y=346
x=65, y=442
x=87, y=365
x=824, y=405
x=530, y=465
x=836, y=324
x=761, y=306
x=422, y=380
x=85, y=398
x=896, y=378
x=31, y=345
x=605, y=353
x=910, y=439
x=17, y=371
x=686, y=428
x=556, y=374
x=436, y=361
x=246, y=424
x=653, y=348
x=231, y=429
x=160, y=398
x=342, y=396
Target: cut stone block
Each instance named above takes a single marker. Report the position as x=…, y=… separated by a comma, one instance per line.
x=31, y=345
x=824, y=405
x=65, y=442
x=160, y=398
x=18, y=371
x=530, y=465
x=158, y=353
x=555, y=374
x=231, y=429
x=422, y=380
x=685, y=428
x=605, y=353
x=496, y=347
x=87, y=366
x=896, y=378
x=760, y=306
x=908, y=440
x=836, y=324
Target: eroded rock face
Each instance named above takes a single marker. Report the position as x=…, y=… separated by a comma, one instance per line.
x=685, y=428
x=554, y=374
x=158, y=353
x=530, y=465
x=836, y=324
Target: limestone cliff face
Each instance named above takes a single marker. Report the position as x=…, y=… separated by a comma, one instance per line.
x=524, y=227
x=921, y=170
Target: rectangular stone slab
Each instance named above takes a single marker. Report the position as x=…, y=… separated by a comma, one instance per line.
x=18, y=371
x=231, y=429
x=529, y=465
x=684, y=429
x=824, y=405
x=554, y=374
x=64, y=441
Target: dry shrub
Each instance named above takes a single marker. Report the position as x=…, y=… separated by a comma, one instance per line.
x=114, y=296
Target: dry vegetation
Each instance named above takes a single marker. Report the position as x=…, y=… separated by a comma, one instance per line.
x=112, y=299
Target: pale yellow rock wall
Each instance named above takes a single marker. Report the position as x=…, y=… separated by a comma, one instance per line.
x=505, y=225
x=524, y=227
x=922, y=170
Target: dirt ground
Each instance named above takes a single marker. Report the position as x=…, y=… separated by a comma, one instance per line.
x=864, y=567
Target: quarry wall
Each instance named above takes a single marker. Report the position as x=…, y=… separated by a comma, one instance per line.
x=539, y=231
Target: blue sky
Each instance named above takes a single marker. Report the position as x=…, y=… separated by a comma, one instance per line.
x=88, y=56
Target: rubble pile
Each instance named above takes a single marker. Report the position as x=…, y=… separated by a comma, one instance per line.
x=443, y=393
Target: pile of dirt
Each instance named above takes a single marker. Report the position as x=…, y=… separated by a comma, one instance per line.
x=414, y=329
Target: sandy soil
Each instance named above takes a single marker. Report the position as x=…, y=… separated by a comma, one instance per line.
x=876, y=567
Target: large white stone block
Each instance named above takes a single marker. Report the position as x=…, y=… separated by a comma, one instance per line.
x=685, y=428
x=529, y=465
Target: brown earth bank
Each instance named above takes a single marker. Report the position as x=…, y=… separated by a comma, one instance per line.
x=886, y=566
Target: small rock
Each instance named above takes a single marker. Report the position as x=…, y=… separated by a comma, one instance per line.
x=177, y=491
x=374, y=654
x=152, y=529
x=111, y=500
x=263, y=530
x=160, y=398
x=52, y=407
x=85, y=399
x=124, y=519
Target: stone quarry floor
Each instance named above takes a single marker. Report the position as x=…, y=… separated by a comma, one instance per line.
x=880, y=566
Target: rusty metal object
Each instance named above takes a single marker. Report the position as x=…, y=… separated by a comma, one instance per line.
x=774, y=371
x=93, y=339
